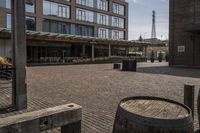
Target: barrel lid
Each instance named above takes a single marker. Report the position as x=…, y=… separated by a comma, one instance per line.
x=155, y=108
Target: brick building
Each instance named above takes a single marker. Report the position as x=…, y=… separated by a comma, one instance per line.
x=184, y=43
x=101, y=19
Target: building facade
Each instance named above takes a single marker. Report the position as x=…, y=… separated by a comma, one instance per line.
x=184, y=38
x=106, y=19
x=91, y=19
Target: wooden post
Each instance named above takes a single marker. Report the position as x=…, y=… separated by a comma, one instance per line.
x=68, y=117
x=189, y=97
x=19, y=96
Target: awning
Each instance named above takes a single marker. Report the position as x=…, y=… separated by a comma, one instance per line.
x=73, y=39
x=192, y=28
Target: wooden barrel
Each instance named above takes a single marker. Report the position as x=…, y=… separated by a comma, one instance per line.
x=198, y=107
x=129, y=65
x=152, y=115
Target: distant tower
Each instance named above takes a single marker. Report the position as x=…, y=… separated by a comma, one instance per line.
x=153, y=33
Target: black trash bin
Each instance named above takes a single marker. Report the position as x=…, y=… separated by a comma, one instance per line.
x=116, y=66
x=129, y=65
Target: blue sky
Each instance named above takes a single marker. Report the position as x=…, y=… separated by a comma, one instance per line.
x=140, y=18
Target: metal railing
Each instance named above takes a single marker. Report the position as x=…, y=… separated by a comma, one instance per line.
x=6, y=85
x=6, y=72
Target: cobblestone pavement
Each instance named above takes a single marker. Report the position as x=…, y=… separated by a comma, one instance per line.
x=99, y=88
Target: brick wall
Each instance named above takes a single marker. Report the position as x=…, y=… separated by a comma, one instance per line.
x=183, y=13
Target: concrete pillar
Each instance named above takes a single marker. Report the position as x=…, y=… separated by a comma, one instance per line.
x=19, y=95
x=93, y=52
x=109, y=50
x=83, y=50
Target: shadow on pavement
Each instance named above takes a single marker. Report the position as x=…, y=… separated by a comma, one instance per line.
x=165, y=70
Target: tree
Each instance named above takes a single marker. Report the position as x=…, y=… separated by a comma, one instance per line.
x=160, y=57
x=140, y=38
x=167, y=57
x=152, y=56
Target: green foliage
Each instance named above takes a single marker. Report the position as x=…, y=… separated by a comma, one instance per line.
x=152, y=56
x=140, y=38
x=160, y=57
x=167, y=57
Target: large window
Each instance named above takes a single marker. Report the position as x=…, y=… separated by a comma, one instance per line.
x=30, y=22
x=56, y=27
x=84, y=15
x=83, y=30
x=55, y=9
x=118, y=9
x=103, y=33
x=102, y=19
x=89, y=3
x=29, y=6
x=8, y=21
x=117, y=35
x=117, y=22
x=5, y=4
x=102, y=4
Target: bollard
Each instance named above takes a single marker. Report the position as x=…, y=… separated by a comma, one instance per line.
x=189, y=97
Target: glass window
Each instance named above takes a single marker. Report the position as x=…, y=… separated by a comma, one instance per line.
x=55, y=9
x=5, y=4
x=30, y=6
x=30, y=22
x=89, y=3
x=83, y=30
x=117, y=35
x=8, y=21
x=118, y=9
x=56, y=27
x=84, y=15
x=102, y=19
x=63, y=11
x=102, y=4
x=103, y=33
x=117, y=22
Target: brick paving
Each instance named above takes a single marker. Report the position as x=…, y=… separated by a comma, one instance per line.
x=99, y=88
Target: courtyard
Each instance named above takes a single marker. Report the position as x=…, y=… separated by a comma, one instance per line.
x=98, y=89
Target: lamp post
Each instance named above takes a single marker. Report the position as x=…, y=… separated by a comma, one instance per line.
x=19, y=92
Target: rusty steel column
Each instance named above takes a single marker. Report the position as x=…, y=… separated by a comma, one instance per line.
x=19, y=96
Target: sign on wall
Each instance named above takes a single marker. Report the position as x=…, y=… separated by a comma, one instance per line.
x=181, y=49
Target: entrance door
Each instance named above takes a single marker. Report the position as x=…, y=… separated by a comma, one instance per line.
x=197, y=50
